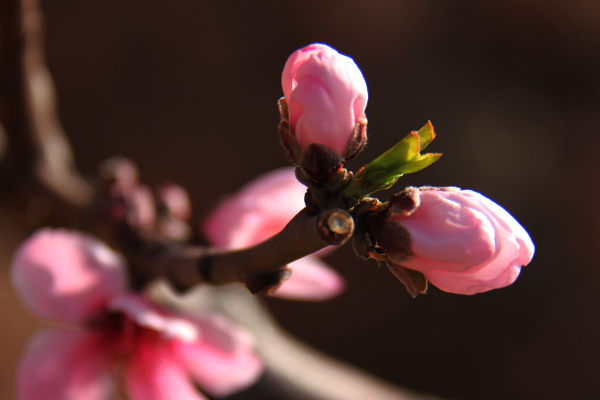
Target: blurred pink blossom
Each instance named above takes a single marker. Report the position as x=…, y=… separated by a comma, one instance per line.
x=465, y=243
x=258, y=211
x=326, y=95
x=121, y=340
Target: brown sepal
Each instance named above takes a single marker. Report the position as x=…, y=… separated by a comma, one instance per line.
x=338, y=180
x=311, y=205
x=391, y=238
x=303, y=177
x=320, y=162
x=362, y=244
x=358, y=140
x=365, y=205
x=267, y=283
x=289, y=142
x=394, y=239
x=415, y=282
x=283, y=108
x=405, y=202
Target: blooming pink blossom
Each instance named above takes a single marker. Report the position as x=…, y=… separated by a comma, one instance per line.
x=258, y=211
x=465, y=243
x=326, y=95
x=123, y=342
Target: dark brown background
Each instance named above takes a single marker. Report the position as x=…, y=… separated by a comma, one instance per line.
x=188, y=89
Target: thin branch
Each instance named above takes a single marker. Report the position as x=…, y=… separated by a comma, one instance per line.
x=38, y=149
x=13, y=110
x=261, y=268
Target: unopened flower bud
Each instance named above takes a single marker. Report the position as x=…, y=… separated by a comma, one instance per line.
x=326, y=99
x=174, y=200
x=173, y=211
x=141, y=208
x=460, y=240
x=121, y=171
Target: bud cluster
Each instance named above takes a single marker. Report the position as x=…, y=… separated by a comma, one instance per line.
x=458, y=240
x=138, y=213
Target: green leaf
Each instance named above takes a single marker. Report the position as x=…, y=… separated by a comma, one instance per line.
x=404, y=158
x=426, y=134
x=420, y=163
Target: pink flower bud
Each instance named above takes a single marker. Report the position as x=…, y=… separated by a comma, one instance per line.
x=326, y=95
x=463, y=242
x=175, y=200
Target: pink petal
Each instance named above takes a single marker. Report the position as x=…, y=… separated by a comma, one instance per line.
x=64, y=365
x=510, y=229
x=311, y=280
x=66, y=276
x=478, y=282
x=316, y=118
x=326, y=95
x=513, y=249
x=154, y=374
x=258, y=211
x=446, y=232
x=465, y=243
x=147, y=315
x=222, y=361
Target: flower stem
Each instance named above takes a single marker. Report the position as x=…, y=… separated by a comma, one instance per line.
x=262, y=268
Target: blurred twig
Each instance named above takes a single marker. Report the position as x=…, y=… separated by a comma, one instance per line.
x=38, y=153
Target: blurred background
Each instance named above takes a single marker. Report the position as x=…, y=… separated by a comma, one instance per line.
x=188, y=89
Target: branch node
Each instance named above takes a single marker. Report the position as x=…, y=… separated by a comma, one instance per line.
x=336, y=226
x=267, y=283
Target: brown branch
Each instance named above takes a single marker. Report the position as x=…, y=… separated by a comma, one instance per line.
x=261, y=268
x=38, y=151
x=13, y=110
